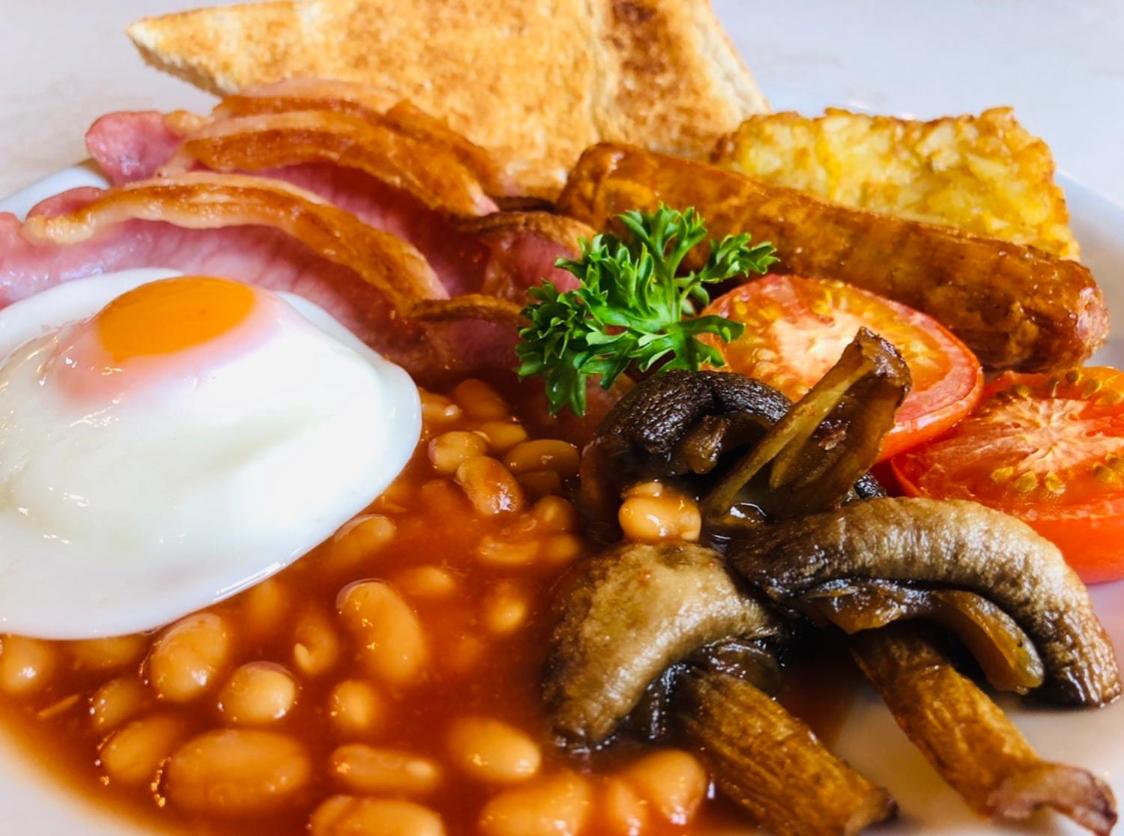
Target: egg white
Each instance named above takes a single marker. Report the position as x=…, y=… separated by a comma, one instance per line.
x=123, y=518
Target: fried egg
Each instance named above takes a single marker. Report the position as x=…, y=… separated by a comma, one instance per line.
x=165, y=444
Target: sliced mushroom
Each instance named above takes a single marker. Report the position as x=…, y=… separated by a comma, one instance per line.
x=643, y=627
x=1003, y=651
x=968, y=739
x=749, y=660
x=628, y=615
x=949, y=544
x=674, y=424
x=716, y=432
x=829, y=438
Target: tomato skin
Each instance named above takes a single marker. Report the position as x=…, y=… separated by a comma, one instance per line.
x=910, y=432
x=1089, y=531
x=800, y=327
x=1092, y=544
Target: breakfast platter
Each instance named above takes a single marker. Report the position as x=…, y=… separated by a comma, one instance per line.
x=535, y=433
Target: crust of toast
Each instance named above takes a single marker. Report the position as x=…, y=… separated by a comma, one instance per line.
x=535, y=81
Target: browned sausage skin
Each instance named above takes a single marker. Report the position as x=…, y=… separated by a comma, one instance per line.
x=1016, y=307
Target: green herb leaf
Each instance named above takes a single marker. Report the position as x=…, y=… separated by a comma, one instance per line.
x=632, y=309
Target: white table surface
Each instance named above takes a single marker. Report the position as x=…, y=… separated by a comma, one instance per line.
x=1059, y=62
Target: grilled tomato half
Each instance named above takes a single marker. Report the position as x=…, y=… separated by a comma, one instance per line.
x=1047, y=448
x=796, y=329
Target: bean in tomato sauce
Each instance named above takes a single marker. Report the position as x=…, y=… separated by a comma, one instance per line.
x=388, y=682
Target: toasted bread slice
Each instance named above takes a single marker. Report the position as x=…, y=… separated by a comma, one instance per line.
x=984, y=174
x=535, y=81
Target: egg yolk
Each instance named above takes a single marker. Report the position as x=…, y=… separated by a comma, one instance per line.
x=170, y=316
x=168, y=333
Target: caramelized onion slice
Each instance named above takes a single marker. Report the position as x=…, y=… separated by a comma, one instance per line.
x=771, y=764
x=829, y=438
x=1004, y=652
x=968, y=739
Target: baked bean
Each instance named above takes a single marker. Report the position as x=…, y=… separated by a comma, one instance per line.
x=237, y=771
x=555, y=514
x=443, y=498
x=479, y=400
x=133, y=754
x=107, y=654
x=493, y=551
x=492, y=751
x=541, y=483
x=258, y=693
x=316, y=647
x=116, y=701
x=356, y=708
x=448, y=450
x=359, y=540
x=26, y=665
x=502, y=435
x=426, y=582
x=463, y=654
x=561, y=549
x=396, y=498
x=621, y=811
x=392, y=642
x=344, y=815
x=188, y=656
x=544, y=454
x=264, y=608
x=671, y=781
x=489, y=486
x=505, y=608
x=368, y=769
x=558, y=805
x=652, y=514
x=438, y=410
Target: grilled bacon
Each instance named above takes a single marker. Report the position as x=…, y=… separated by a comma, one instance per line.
x=261, y=231
x=274, y=140
x=360, y=100
x=412, y=187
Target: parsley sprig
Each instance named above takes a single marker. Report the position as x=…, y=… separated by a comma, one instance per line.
x=632, y=308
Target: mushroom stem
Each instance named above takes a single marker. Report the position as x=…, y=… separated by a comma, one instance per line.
x=771, y=764
x=968, y=739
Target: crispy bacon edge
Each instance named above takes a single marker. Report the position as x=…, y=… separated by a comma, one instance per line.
x=375, y=106
x=212, y=201
x=427, y=170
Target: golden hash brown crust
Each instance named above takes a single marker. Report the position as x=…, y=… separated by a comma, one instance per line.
x=983, y=174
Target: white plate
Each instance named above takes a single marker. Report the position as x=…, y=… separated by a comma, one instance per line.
x=33, y=805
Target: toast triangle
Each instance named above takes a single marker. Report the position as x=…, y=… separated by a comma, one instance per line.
x=535, y=81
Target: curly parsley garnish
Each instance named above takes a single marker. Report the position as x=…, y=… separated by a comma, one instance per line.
x=632, y=310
